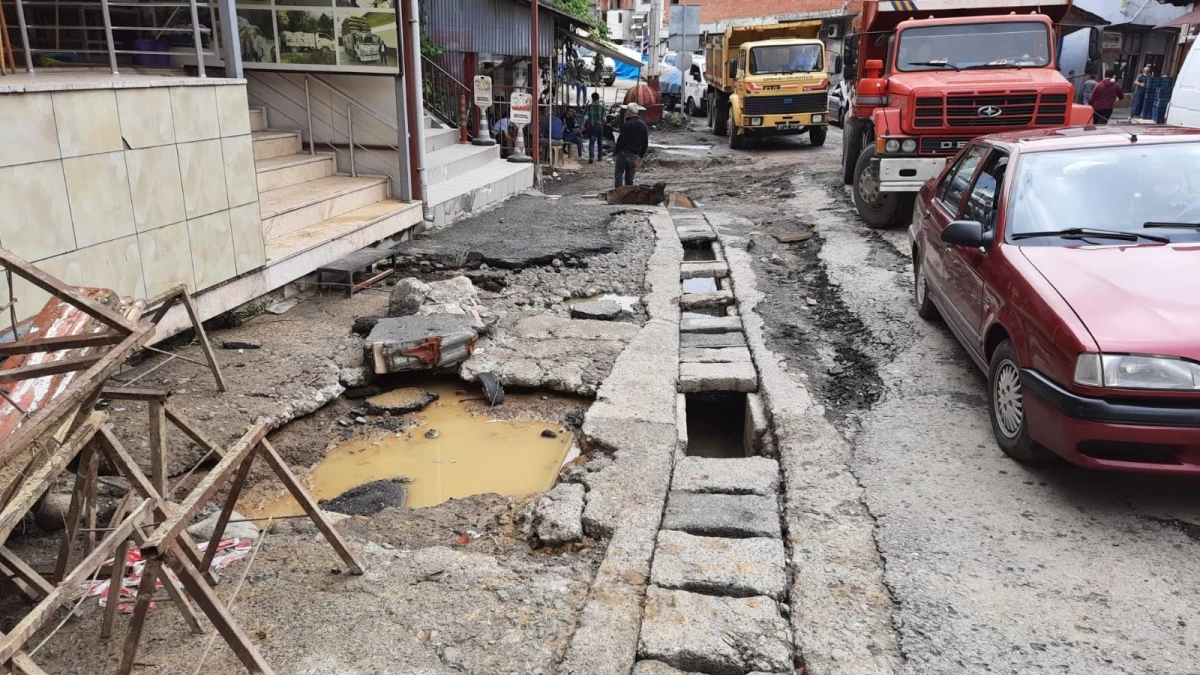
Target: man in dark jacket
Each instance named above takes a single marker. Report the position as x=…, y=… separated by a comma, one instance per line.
x=631, y=146
x=1104, y=98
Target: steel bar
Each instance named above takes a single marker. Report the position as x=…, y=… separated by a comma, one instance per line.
x=196, y=37
x=108, y=36
x=25, y=45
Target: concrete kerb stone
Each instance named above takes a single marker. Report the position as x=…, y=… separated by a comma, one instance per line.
x=736, y=476
x=681, y=427
x=717, y=324
x=714, y=354
x=660, y=668
x=718, y=515
x=700, y=270
x=757, y=426
x=841, y=609
x=633, y=418
x=712, y=341
x=698, y=377
x=711, y=300
x=719, y=566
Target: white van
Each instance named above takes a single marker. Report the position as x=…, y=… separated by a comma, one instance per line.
x=1184, y=109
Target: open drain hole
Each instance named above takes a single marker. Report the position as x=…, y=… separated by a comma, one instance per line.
x=704, y=313
x=716, y=425
x=698, y=251
x=701, y=285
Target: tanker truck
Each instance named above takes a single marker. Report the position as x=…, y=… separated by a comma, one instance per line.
x=928, y=76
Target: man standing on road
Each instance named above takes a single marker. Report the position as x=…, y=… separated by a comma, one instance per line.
x=1104, y=98
x=1084, y=91
x=593, y=124
x=1139, y=92
x=631, y=146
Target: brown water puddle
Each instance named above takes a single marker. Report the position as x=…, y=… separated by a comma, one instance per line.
x=472, y=453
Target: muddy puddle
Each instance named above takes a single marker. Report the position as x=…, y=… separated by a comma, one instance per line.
x=458, y=448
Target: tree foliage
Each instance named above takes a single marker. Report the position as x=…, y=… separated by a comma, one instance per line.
x=585, y=10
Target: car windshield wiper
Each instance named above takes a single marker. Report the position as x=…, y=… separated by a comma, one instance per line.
x=985, y=66
x=937, y=64
x=1085, y=232
x=1178, y=226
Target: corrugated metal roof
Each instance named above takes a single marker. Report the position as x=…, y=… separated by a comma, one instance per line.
x=498, y=27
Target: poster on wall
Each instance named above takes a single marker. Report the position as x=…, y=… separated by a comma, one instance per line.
x=351, y=36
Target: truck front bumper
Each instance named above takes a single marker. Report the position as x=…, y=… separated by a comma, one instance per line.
x=905, y=174
x=795, y=122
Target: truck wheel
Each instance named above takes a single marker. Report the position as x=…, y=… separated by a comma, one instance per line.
x=880, y=210
x=689, y=108
x=736, y=141
x=852, y=142
x=816, y=135
x=720, y=118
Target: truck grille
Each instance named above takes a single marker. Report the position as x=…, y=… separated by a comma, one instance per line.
x=785, y=105
x=1011, y=110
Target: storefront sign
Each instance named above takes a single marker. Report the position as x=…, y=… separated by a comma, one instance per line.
x=1112, y=40
x=345, y=36
x=522, y=108
x=483, y=91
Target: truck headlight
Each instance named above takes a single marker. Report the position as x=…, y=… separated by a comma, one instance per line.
x=909, y=145
x=817, y=119
x=1134, y=371
x=891, y=146
x=756, y=121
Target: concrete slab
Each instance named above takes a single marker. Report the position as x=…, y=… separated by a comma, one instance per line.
x=697, y=377
x=558, y=517
x=717, y=324
x=719, y=636
x=738, y=568
x=687, y=236
x=757, y=426
x=388, y=347
x=715, y=299
x=736, y=476
x=714, y=515
x=719, y=355
x=712, y=341
x=698, y=270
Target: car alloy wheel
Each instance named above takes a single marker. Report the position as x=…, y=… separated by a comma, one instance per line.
x=1007, y=398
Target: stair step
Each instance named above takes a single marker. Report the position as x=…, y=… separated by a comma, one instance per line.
x=436, y=139
x=269, y=144
x=296, y=207
x=258, y=118
x=468, y=192
x=456, y=160
x=280, y=172
x=407, y=214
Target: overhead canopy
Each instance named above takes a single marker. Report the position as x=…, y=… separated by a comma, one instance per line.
x=603, y=48
x=1191, y=18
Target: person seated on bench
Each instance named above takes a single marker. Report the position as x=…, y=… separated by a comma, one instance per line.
x=550, y=131
x=573, y=133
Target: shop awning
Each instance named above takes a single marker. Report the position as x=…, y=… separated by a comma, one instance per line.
x=603, y=48
x=1191, y=18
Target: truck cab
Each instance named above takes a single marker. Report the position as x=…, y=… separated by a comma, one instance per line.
x=928, y=86
x=768, y=80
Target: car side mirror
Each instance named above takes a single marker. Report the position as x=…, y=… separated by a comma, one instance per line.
x=969, y=233
x=1094, y=38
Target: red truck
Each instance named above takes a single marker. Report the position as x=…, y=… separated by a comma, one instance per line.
x=930, y=76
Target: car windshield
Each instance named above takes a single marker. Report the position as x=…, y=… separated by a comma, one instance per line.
x=1115, y=188
x=981, y=45
x=786, y=59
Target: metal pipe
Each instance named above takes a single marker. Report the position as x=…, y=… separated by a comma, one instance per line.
x=402, y=188
x=231, y=45
x=196, y=37
x=535, y=80
x=24, y=36
x=350, y=137
x=108, y=36
x=418, y=102
x=312, y=149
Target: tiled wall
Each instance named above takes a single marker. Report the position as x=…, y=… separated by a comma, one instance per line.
x=134, y=189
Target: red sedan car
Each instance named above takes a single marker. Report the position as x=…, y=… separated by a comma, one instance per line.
x=1067, y=262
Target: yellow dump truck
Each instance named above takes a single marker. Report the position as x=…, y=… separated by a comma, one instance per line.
x=766, y=80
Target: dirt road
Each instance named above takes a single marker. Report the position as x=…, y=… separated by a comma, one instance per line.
x=992, y=566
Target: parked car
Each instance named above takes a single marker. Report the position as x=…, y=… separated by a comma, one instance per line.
x=838, y=95
x=1066, y=262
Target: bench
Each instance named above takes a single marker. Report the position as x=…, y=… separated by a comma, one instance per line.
x=358, y=264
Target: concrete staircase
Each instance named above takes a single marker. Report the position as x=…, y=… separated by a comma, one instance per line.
x=305, y=204
x=463, y=179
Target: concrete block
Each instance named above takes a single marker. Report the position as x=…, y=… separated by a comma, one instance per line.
x=558, y=516
x=711, y=300
x=739, y=568
x=712, y=341
x=719, y=355
x=736, y=476
x=717, y=324
x=698, y=270
x=757, y=425
x=715, y=515
x=696, y=377
x=681, y=424
x=697, y=234
x=719, y=636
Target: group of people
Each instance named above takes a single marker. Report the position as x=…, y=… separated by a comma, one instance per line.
x=1104, y=95
x=633, y=139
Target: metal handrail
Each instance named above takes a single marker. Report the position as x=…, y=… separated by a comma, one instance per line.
x=105, y=9
x=443, y=92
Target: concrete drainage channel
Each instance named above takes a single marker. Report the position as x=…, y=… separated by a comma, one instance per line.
x=717, y=599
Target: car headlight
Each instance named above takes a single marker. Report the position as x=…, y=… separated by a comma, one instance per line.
x=1133, y=371
x=892, y=145
x=909, y=145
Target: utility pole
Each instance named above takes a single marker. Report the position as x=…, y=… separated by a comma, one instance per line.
x=535, y=79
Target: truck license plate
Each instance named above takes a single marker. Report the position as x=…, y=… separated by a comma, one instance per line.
x=788, y=125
